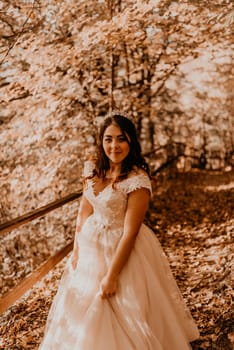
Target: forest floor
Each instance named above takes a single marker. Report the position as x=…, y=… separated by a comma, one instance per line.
x=192, y=215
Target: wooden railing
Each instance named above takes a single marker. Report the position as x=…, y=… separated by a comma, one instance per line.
x=27, y=283
x=49, y=264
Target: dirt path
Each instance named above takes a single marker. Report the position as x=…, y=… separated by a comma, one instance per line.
x=193, y=217
x=194, y=221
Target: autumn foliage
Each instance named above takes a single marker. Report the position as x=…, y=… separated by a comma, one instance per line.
x=63, y=66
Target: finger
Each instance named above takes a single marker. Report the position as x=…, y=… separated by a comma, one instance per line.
x=109, y=295
x=104, y=296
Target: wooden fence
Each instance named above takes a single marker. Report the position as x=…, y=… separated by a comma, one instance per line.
x=27, y=283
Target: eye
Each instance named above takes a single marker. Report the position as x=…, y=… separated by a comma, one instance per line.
x=107, y=139
x=122, y=138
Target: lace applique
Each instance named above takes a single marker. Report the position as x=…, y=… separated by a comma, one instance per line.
x=135, y=182
x=89, y=166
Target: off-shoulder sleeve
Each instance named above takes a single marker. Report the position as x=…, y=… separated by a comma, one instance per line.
x=137, y=181
x=89, y=166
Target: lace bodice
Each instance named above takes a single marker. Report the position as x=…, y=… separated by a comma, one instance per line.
x=81, y=319
x=110, y=203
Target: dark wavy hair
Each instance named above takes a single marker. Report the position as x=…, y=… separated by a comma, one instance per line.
x=134, y=157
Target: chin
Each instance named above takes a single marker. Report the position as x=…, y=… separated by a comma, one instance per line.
x=116, y=160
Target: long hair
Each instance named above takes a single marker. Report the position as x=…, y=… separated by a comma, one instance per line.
x=134, y=157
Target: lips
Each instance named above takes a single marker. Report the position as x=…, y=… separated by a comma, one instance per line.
x=115, y=153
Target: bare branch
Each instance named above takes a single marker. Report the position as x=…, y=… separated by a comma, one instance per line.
x=19, y=33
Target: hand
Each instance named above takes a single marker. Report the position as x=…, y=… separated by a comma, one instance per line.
x=108, y=287
x=74, y=259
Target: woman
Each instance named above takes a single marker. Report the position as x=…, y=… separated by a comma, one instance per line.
x=117, y=291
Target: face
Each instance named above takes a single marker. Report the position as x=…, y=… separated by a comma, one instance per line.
x=115, y=144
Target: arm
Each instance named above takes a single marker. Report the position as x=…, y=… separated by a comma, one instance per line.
x=136, y=208
x=85, y=210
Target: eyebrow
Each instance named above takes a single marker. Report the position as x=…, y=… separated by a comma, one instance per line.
x=120, y=135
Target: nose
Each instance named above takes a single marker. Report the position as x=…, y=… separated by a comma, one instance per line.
x=114, y=144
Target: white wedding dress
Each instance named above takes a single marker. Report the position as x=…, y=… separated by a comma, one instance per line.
x=147, y=313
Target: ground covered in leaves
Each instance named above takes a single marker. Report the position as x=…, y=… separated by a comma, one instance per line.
x=192, y=216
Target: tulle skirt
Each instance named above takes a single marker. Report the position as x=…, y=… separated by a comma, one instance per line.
x=147, y=312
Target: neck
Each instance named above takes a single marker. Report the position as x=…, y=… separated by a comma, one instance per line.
x=114, y=171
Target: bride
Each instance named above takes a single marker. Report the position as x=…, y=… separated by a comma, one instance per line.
x=117, y=291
